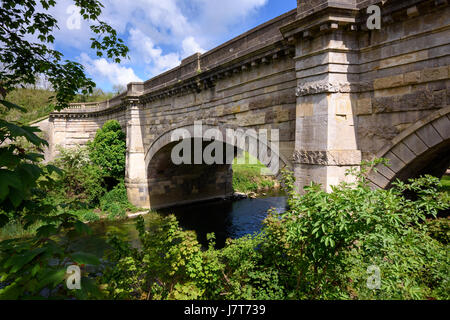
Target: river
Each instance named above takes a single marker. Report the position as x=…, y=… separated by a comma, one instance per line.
x=226, y=218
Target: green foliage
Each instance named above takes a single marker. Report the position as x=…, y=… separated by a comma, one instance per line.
x=439, y=229
x=87, y=215
x=30, y=266
x=36, y=269
x=35, y=101
x=247, y=177
x=23, y=60
x=15, y=229
x=118, y=194
x=172, y=265
x=23, y=181
x=97, y=95
x=21, y=175
x=115, y=211
x=445, y=184
x=82, y=180
x=115, y=202
x=336, y=236
x=320, y=249
x=108, y=150
x=169, y=256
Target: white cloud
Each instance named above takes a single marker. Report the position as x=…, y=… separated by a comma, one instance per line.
x=161, y=20
x=190, y=46
x=71, y=32
x=159, y=33
x=144, y=49
x=166, y=22
x=216, y=16
x=114, y=73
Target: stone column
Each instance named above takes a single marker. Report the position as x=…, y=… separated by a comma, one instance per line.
x=327, y=79
x=56, y=135
x=136, y=172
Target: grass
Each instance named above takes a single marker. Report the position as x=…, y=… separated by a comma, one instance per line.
x=14, y=230
x=114, y=206
x=38, y=104
x=34, y=100
x=250, y=175
x=446, y=183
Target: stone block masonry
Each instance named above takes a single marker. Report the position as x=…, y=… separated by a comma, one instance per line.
x=337, y=92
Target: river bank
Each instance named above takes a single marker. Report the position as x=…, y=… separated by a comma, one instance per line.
x=226, y=218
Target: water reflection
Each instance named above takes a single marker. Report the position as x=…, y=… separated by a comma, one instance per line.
x=227, y=219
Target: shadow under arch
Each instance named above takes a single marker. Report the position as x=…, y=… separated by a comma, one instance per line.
x=170, y=184
x=422, y=148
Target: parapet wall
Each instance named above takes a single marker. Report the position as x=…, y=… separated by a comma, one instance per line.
x=337, y=92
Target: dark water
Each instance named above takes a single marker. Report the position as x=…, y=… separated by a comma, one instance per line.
x=227, y=219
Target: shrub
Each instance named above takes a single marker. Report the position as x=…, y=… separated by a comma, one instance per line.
x=115, y=202
x=118, y=195
x=74, y=158
x=445, y=184
x=169, y=257
x=87, y=215
x=330, y=239
x=115, y=211
x=439, y=229
x=321, y=248
x=91, y=216
x=82, y=179
x=107, y=151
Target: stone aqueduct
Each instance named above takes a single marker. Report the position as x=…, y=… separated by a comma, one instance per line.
x=338, y=93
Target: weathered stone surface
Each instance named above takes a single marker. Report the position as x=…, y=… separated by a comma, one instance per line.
x=329, y=158
x=396, y=164
x=442, y=125
x=415, y=144
x=322, y=87
x=305, y=110
x=386, y=172
x=412, y=77
x=378, y=179
x=419, y=100
x=403, y=153
x=347, y=92
x=404, y=59
x=364, y=106
x=388, y=82
x=429, y=135
x=435, y=74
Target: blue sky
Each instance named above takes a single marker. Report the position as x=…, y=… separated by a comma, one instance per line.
x=159, y=33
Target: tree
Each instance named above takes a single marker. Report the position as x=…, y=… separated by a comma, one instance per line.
x=22, y=59
x=108, y=150
x=118, y=88
x=24, y=266
x=96, y=95
x=22, y=62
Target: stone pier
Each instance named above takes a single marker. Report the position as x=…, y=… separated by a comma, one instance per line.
x=337, y=92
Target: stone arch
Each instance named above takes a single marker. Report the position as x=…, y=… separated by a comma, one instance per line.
x=165, y=139
x=422, y=148
x=170, y=184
